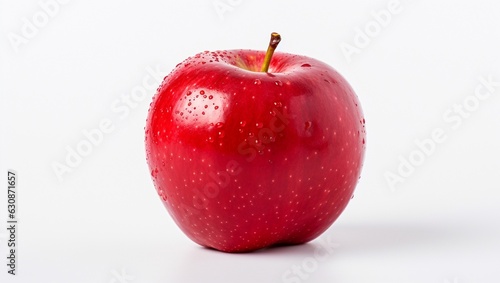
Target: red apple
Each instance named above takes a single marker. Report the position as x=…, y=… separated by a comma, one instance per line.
x=248, y=151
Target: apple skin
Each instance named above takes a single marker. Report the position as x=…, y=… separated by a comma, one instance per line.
x=244, y=160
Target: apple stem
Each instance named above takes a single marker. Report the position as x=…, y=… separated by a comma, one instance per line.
x=273, y=43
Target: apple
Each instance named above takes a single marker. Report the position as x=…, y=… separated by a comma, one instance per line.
x=250, y=149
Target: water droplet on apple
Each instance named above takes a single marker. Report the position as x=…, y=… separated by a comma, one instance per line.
x=210, y=139
x=216, y=107
x=154, y=172
x=219, y=125
x=277, y=104
x=210, y=96
x=162, y=195
x=259, y=125
x=243, y=123
x=206, y=106
x=306, y=65
x=278, y=83
x=189, y=93
x=363, y=141
x=202, y=92
x=221, y=134
x=256, y=82
x=308, y=125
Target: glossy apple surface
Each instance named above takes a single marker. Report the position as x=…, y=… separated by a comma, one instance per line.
x=244, y=159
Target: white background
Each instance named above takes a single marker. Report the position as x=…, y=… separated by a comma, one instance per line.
x=104, y=221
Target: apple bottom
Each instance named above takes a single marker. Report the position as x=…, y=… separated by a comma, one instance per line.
x=243, y=204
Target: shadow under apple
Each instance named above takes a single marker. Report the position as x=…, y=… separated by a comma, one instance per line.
x=341, y=240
